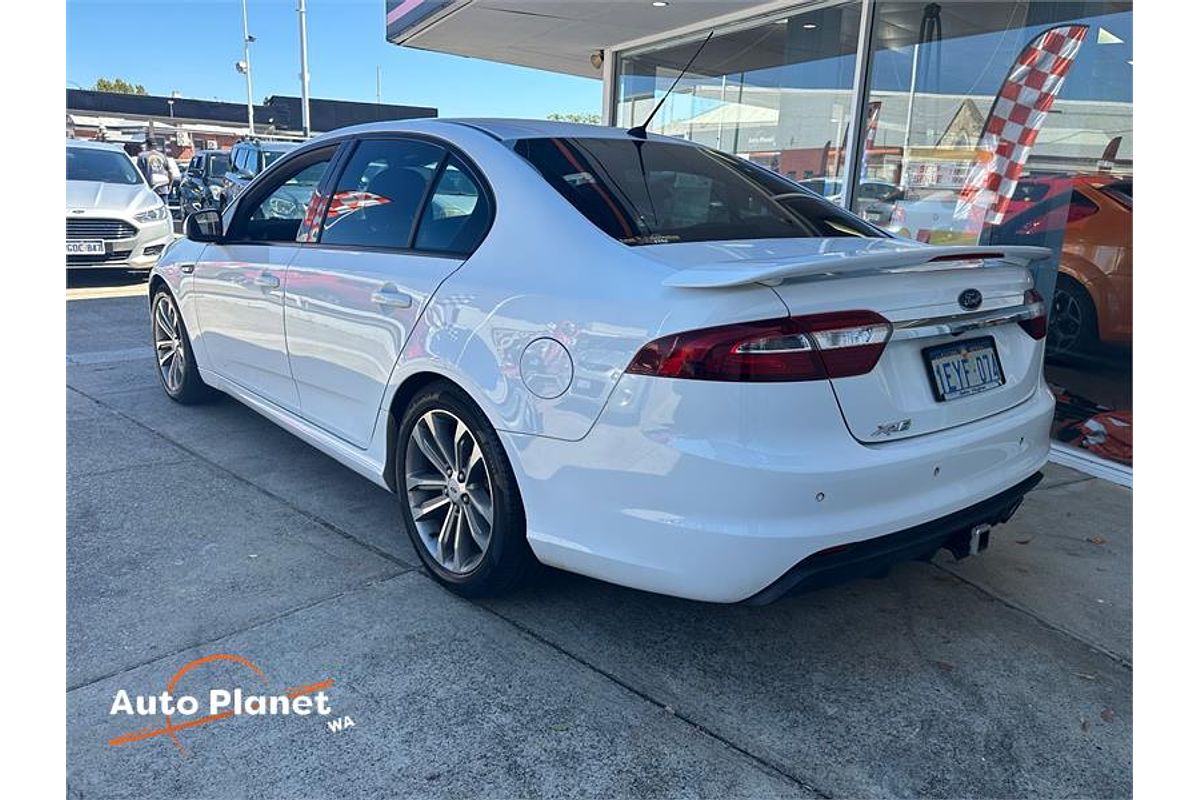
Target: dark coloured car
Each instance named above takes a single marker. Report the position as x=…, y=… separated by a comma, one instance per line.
x=247, y=159
x=203, y=181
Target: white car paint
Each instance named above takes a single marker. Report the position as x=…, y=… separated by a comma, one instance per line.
x=101, y=200
x=706, y=490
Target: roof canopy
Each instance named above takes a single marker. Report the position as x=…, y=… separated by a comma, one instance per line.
x=555, y=35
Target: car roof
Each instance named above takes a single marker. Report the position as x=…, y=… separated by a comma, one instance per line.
x=282, y=147
x=505, y=130
x=86, y=144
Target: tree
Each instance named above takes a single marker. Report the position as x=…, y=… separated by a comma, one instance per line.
x=587, y=118
x=118, y=85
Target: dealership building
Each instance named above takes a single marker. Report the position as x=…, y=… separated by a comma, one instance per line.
x=902, y=112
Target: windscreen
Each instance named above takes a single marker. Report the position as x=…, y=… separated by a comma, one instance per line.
x=219, y=164
x=652, y=192
x=105, y=166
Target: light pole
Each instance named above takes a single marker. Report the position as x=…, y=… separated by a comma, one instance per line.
x=302, y=12
x=243, y=67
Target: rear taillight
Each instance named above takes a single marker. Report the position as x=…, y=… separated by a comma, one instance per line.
x=1035, y=326
x=835, y=345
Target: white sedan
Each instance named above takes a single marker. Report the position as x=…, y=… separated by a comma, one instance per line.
x=629, y=357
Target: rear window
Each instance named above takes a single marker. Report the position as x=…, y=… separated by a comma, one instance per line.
x=1122, y=192
x=271, y=156
x=650, y=192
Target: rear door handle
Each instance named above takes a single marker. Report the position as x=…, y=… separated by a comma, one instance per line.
x=267, y=280
x=187, y=269
x=391, y=296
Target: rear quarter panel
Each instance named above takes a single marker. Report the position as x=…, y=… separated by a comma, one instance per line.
x=544, y=271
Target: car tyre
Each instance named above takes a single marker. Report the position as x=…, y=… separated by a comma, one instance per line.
x=176, y=364
x=458, y=496
x=1072, y=330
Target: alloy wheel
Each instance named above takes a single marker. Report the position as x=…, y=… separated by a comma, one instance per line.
x=449, y=491
x=168, y=343
x=1066, y=322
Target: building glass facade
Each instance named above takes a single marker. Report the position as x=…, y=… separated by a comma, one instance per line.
x=956, y=122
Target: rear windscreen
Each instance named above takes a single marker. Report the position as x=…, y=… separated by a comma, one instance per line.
x=652, y=192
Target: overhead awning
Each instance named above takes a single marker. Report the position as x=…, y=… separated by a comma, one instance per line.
x=554, y=35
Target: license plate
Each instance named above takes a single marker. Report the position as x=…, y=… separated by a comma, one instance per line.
x=85, y=247
x=962, y=369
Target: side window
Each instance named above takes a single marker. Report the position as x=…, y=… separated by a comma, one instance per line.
x=457, y=214
x=276, y=216
x=377, y=197
x=238, y=157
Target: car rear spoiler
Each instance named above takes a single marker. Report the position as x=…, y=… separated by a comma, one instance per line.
x=735, y=274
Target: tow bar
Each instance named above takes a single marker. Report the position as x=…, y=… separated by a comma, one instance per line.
x=980, y=537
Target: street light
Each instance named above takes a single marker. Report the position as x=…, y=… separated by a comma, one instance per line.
x=302, y=13
x=243, y=67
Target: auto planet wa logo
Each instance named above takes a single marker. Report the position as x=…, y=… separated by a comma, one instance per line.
x=183, y=711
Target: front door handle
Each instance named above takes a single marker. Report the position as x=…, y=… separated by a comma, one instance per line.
x=267, y=280
x=391, y=296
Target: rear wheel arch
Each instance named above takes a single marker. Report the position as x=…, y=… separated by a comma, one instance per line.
x=401, y=398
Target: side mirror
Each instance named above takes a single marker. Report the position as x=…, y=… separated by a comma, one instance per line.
x=203, y=226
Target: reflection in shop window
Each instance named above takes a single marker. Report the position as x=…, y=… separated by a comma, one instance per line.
x=777, y=92
x=985, y=122
x=1010, y=123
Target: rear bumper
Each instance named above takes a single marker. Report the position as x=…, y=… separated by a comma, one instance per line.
x=874, y=557
x=713, y=491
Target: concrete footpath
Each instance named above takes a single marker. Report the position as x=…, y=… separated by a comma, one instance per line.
x=194, y=531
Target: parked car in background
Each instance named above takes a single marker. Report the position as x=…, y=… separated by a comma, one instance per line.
x=1093, y=297
x=868, y=191
x=114, y=220
x=203, y=181
x=246, y=159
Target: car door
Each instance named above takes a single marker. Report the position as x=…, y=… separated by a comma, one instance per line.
x=403, y=215
x=191, y=195
x=238, y=284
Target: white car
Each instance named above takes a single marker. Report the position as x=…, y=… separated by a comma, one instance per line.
x=633, y=358
x=114, y=220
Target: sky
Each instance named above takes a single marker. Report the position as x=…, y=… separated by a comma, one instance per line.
x=190, y=46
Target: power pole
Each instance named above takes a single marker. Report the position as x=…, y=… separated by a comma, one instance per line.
x=378, y=85
x=302, y=11
x=246, y=40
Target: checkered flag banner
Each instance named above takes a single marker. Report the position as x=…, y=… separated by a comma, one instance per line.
x=1020, y=109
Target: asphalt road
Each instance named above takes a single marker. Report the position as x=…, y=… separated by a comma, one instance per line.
x=206, y=530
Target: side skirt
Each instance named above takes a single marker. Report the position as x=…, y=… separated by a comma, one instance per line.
x=365, y=462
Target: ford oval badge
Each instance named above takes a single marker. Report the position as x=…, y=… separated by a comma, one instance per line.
x=971, y=299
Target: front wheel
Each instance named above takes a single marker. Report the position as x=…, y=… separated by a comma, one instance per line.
x=1073, y=329
x=459, y=497
x=177, y=369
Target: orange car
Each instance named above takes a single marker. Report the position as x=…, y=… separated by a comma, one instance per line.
x=1093, y=299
